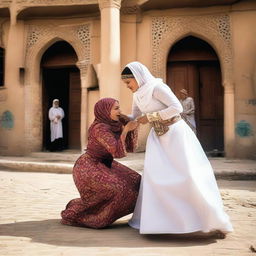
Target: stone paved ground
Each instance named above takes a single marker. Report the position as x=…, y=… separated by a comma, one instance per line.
x=30, y=204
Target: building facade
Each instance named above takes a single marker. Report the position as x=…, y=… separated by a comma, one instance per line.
x=74, y=50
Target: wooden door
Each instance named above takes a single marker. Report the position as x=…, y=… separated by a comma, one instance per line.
x=184, y=75
x=74, y=110
x=203, y=82
x=211, y=107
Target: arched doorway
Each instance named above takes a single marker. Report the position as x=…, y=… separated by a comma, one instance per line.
x=61, y=80
x=193, y=64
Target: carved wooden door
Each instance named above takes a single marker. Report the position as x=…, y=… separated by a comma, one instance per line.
x=202, y=79
x=74, y=110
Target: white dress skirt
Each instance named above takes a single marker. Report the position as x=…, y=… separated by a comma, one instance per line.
x=178, y=192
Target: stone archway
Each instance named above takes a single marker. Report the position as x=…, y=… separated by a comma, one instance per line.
x=215, y=30
x=39, y=38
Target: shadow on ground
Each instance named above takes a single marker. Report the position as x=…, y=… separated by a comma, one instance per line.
x=118, y=235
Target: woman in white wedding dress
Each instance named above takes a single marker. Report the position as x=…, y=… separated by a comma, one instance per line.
x=178, y=192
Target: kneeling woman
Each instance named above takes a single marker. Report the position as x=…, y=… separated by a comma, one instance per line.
x=107, y=188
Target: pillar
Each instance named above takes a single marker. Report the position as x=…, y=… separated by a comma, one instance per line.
x=110, y=48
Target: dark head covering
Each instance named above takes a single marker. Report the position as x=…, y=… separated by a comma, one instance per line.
x=126, y=73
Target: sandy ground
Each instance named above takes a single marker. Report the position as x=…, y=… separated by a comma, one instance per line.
x=30, y=205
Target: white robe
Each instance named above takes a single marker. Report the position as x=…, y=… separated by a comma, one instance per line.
x=178, y=192
x=189, y=111
x=56, y=124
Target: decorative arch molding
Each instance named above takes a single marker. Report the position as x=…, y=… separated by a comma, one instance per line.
x=53, y=2
x=40, y=38
x=214, y=29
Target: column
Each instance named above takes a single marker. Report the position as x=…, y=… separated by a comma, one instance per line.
x=229, y=120
x=83, y=66
x=110, y=48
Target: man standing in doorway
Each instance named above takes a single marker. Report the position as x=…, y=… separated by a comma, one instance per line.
x=188, y=113
x=56, y=114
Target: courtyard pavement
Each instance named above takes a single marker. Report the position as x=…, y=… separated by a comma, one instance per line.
x=31, y=202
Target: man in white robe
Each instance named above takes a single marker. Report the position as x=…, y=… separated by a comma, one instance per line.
x=188, y=113
x=56, y=114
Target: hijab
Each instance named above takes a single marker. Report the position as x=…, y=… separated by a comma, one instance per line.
x=102, y=110
x=53, y=102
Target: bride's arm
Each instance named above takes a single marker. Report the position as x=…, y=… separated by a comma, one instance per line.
x=173, y=106
x=168, y=98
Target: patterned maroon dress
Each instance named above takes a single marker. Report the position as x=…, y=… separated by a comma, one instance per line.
x=107, y=188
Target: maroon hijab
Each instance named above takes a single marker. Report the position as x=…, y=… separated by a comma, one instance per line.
x=102, y=111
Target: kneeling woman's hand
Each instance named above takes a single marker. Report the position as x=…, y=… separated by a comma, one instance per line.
x=142, y=119
x=130, y=126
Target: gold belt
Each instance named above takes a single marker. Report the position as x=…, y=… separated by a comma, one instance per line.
x=162, y=126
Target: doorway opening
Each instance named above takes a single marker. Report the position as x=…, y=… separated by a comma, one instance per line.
x=61, y=80
x=193, y=65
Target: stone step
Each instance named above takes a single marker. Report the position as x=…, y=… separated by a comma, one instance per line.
x=62, y=162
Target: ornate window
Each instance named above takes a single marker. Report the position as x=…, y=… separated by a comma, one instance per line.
x=1, y=66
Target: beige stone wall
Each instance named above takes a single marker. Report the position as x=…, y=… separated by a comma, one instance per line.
x=244, y=49
x=12, y=94
x=95, y=41
x=4, y=133
x=93, y=97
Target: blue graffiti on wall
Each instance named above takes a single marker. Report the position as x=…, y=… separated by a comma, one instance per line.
x=244, y=129
x=7, y=120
